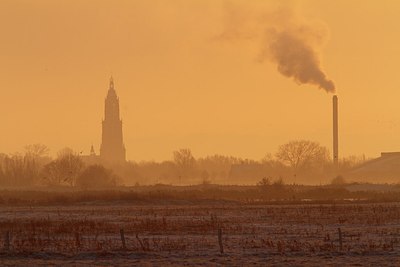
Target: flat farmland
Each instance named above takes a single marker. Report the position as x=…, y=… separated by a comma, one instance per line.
x=214, y=233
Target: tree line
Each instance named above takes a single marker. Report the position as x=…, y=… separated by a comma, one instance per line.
x=34, y=167
x=299, y=161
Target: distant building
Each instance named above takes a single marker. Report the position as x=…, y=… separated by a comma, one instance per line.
x=112, y=149
x=386, y=169
x=92, y=158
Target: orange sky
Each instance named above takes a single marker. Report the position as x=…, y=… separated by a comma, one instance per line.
x=181, y=87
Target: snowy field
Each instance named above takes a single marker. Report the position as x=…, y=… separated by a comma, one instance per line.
x=187, y=234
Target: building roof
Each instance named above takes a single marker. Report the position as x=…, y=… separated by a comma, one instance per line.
x=385, y=169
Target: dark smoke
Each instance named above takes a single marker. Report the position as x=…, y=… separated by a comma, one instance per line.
x=297, y=59
x=287, y=40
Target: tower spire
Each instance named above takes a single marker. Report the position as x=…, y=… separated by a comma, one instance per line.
x=112, y=147
x=111, y=82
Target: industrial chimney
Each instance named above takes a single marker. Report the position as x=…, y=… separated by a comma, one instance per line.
x=335, y=132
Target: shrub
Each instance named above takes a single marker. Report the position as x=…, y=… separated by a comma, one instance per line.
x=264, y=183
x=96, y=176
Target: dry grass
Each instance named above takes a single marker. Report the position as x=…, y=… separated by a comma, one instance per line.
x=277, y=230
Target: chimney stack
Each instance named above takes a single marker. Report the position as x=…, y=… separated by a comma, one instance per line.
x=335, y=132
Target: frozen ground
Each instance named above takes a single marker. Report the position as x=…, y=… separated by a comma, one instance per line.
x=187, y=234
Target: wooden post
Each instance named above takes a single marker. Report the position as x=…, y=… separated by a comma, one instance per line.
x=121, y=231
x=221, y=248
x=340, y=238
x=140, y=242
x=7, y=241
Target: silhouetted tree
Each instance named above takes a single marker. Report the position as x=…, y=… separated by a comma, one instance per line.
x=65, y=169
x=217, y=166
x=264, y=182
x=185, y=161
x=53, y=174
x=37, y=150
x=302, y=154
x=37, y=156
x=15, y=168
x=184, y=158
x=20, y=169
x=271, y=161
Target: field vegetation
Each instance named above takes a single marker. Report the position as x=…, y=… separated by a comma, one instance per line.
x=213, y=232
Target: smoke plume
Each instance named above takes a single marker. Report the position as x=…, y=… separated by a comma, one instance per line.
x=289, y=41
x=298, y=59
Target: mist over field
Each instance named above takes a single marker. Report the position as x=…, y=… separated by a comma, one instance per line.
x=296, y=162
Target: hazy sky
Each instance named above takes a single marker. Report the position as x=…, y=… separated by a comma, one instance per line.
x=182, y=86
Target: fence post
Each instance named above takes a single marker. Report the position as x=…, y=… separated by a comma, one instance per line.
x=221, y=248
x=121, y=231
x=340, y=238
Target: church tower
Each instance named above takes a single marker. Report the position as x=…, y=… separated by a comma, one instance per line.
x=112, y=148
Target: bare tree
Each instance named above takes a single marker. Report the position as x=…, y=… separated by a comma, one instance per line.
x=184, y=157
x=36, y=157
x=52, y=174
x=302, y=154
x=65, y=152
x=185, y=161
x=37, y=150
x=18, y=170
x=65, y=169
x=14, y=170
